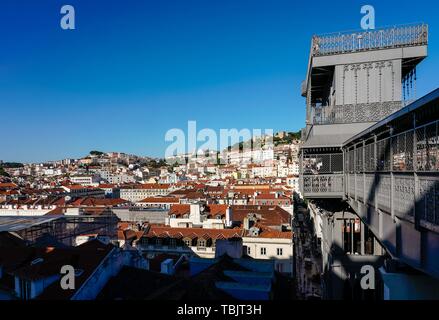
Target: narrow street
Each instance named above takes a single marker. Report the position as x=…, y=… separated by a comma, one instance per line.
x=307, y=254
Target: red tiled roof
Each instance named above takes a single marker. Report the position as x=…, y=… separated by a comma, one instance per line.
x=212, y=210
x=271, y=196
x=8, y=185
x=160, y=200
x=163, y=232
x=269, y=215
x=147, y=186
x=93, y=202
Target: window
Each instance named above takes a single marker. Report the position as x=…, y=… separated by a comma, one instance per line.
x=172, y=242
x=280, y=252
x=263, y=251
x=202, y=243
x=187, y=242
x=158, y=241
x=249, y=251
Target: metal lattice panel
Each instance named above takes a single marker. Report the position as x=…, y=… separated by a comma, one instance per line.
x=322, y=184
x=404, y=195
x=383, y=155
x=369, y=158
x=369, y=181
x=428, y=188
x=354, y=113
x=323, y=163
x=359, y=187
x=359, y=159
x=431, y=138
x=421, y=155
x=351, y=179
x=384, y=192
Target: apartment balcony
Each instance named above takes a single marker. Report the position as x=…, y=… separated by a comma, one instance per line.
x=378, y=39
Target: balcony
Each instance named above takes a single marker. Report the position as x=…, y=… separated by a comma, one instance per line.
x=323, y=186
x=322, y=175
x=387, y=38
x=353, y=113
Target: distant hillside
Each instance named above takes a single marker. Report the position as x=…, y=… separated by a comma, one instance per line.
x=287, y=139
x=12, y=165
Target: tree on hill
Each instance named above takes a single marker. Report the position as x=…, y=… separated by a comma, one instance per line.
x=96, y=153
x=12, y=165
x=3, y=173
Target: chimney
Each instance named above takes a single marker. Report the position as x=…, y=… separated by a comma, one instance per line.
x=229, y=217
x=195, y=214
x=246, y=223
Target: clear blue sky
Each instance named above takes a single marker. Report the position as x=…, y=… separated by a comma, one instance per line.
x=134, y=69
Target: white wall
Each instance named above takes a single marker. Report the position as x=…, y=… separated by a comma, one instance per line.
x=271, y=246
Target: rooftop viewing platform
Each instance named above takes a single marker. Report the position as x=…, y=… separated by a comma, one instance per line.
x=378, y=39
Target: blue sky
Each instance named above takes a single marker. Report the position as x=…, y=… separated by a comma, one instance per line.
x=134, y=69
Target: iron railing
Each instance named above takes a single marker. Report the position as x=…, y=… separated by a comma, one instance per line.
x=313, y=164
x=393, y=37
x=398, y=174
x=327, y=185
x=354, y=113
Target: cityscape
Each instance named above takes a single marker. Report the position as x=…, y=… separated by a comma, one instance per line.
x=342, y=206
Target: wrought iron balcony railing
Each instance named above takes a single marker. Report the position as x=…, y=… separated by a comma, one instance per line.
x=394, y=37
x=323, y=186
x=354, y=113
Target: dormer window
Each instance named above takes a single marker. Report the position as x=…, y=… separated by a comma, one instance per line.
x=202, y=243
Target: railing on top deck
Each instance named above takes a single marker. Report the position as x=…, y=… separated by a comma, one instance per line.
x=386, y=38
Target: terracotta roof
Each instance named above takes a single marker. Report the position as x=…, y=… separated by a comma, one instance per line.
x=163, y=232
x=107, y=186
x=269, y=215
x=212, y=210
x=271, y=196
x=93, y=202
x=160, y=200
x=147, y=186
x=8, y=185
